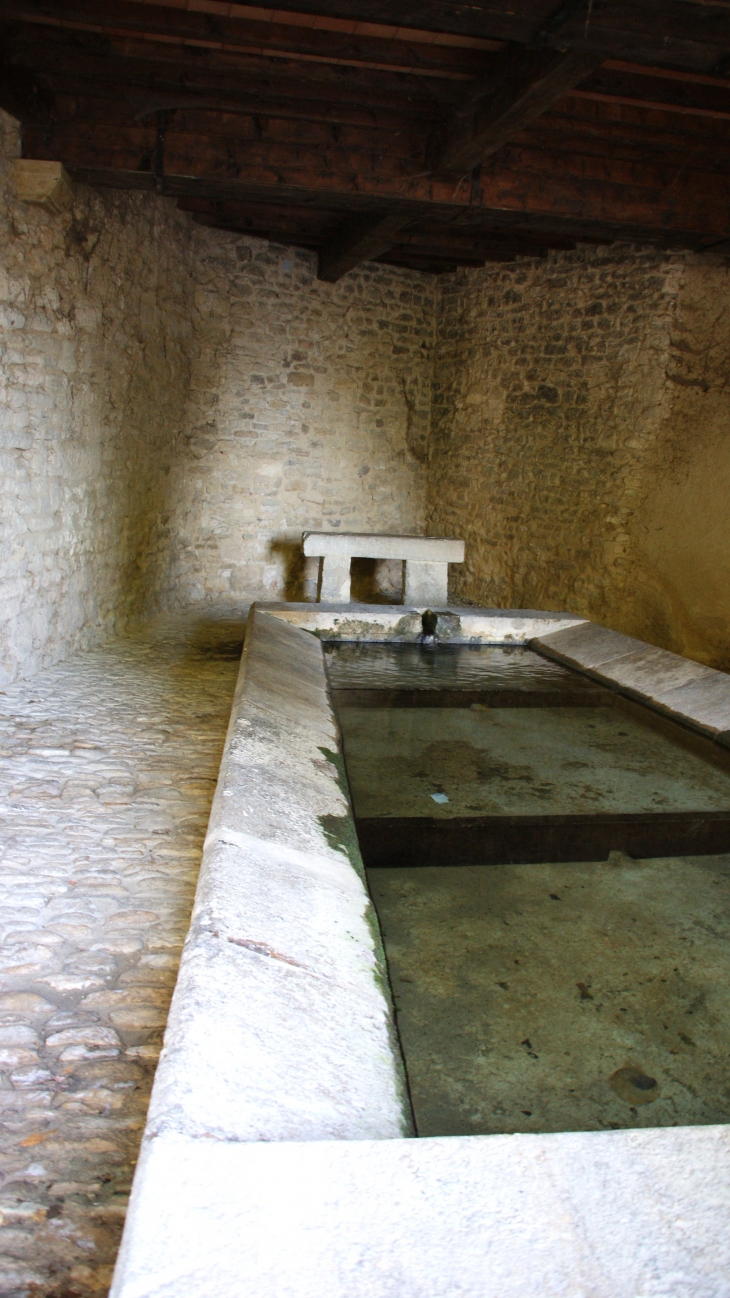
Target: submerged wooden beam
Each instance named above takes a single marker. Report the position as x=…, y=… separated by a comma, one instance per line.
x=522, y=86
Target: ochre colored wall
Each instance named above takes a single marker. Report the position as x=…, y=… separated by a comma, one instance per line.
x=580, y=441
x=681, y=533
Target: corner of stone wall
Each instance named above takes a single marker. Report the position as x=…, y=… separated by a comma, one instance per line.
x=94, y=359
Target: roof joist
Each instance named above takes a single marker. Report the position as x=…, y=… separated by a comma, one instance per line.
x=428, y=135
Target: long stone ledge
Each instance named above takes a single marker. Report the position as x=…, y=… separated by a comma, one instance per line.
x=376, y=545
x=280, y=1027
x=688, y=691
x=607, y=1214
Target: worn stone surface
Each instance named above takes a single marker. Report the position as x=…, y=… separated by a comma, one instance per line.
x=685, y=689
x=94, y=355
x=610, y=1214
x=579, y=440
x=334, y=585
x=456, y=625
x=422, y=549
x=426, y=583
x=280, y=1026
x=107, y=771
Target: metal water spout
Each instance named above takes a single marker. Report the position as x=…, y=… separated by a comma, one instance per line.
x=429, y=622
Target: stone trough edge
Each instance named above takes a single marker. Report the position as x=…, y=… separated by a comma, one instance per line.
x=198, y=1221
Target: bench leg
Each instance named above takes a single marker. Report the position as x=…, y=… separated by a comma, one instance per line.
x=427, y=583
x=335, y=583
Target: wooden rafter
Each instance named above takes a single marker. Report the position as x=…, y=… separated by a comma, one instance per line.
x=429, y=135
x=520, y=87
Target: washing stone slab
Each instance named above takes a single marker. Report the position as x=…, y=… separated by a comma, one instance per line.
x=607, y=1214
x=688, y=691
x=398, y=624
x=281, y=1026
x=375, y=545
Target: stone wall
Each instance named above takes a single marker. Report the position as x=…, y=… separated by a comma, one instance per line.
x=309, y=409
x=580, y=441
x=94, y=361
x=178, y=404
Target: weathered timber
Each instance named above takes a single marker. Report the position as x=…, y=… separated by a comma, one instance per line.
x=543, y=187
x=361, y=238
x=407, y=52
x=49, y=50
x=673, y=32
x=527, y=83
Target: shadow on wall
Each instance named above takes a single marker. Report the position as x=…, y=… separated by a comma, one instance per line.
x=373, y=581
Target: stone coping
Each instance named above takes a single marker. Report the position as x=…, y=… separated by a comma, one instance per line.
x=377, y=545
x=280, y=1027
x=695, y=695
x=617, y=1214
x=277, y=1156
x=399, y=624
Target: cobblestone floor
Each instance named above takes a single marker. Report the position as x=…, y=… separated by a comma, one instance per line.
x=107, y=769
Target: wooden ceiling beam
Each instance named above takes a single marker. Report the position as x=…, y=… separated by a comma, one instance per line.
x=210, y=30
x=523, y=84
x=171, y=62
x=361, y=238
x=527, y=185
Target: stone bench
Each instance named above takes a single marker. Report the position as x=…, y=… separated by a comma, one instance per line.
x=426, y=558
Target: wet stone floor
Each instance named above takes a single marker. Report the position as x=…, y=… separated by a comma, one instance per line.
x=108, y=765
x=561, y=997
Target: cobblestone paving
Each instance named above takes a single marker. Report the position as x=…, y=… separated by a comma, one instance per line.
x=108, y=765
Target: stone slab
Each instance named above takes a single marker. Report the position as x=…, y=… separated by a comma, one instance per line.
x=607, y=1214
x=45, y=184
x=590, y=645
x=372, y=545
x=335, y=580
x=400, y=624
x=697, y=695
x=426, y=583
x=280, y=1027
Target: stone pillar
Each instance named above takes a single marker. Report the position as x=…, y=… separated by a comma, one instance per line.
x=335, y=584
x=427, y=583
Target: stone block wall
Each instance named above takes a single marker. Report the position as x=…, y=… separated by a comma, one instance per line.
x=580, y=440
x=178, y=404
x=309, y=409
x=95, y=309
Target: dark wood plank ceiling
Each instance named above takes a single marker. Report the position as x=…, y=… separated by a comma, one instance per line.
x=431, y=134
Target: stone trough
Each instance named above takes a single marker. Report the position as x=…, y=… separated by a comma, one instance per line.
x=278, y=1157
